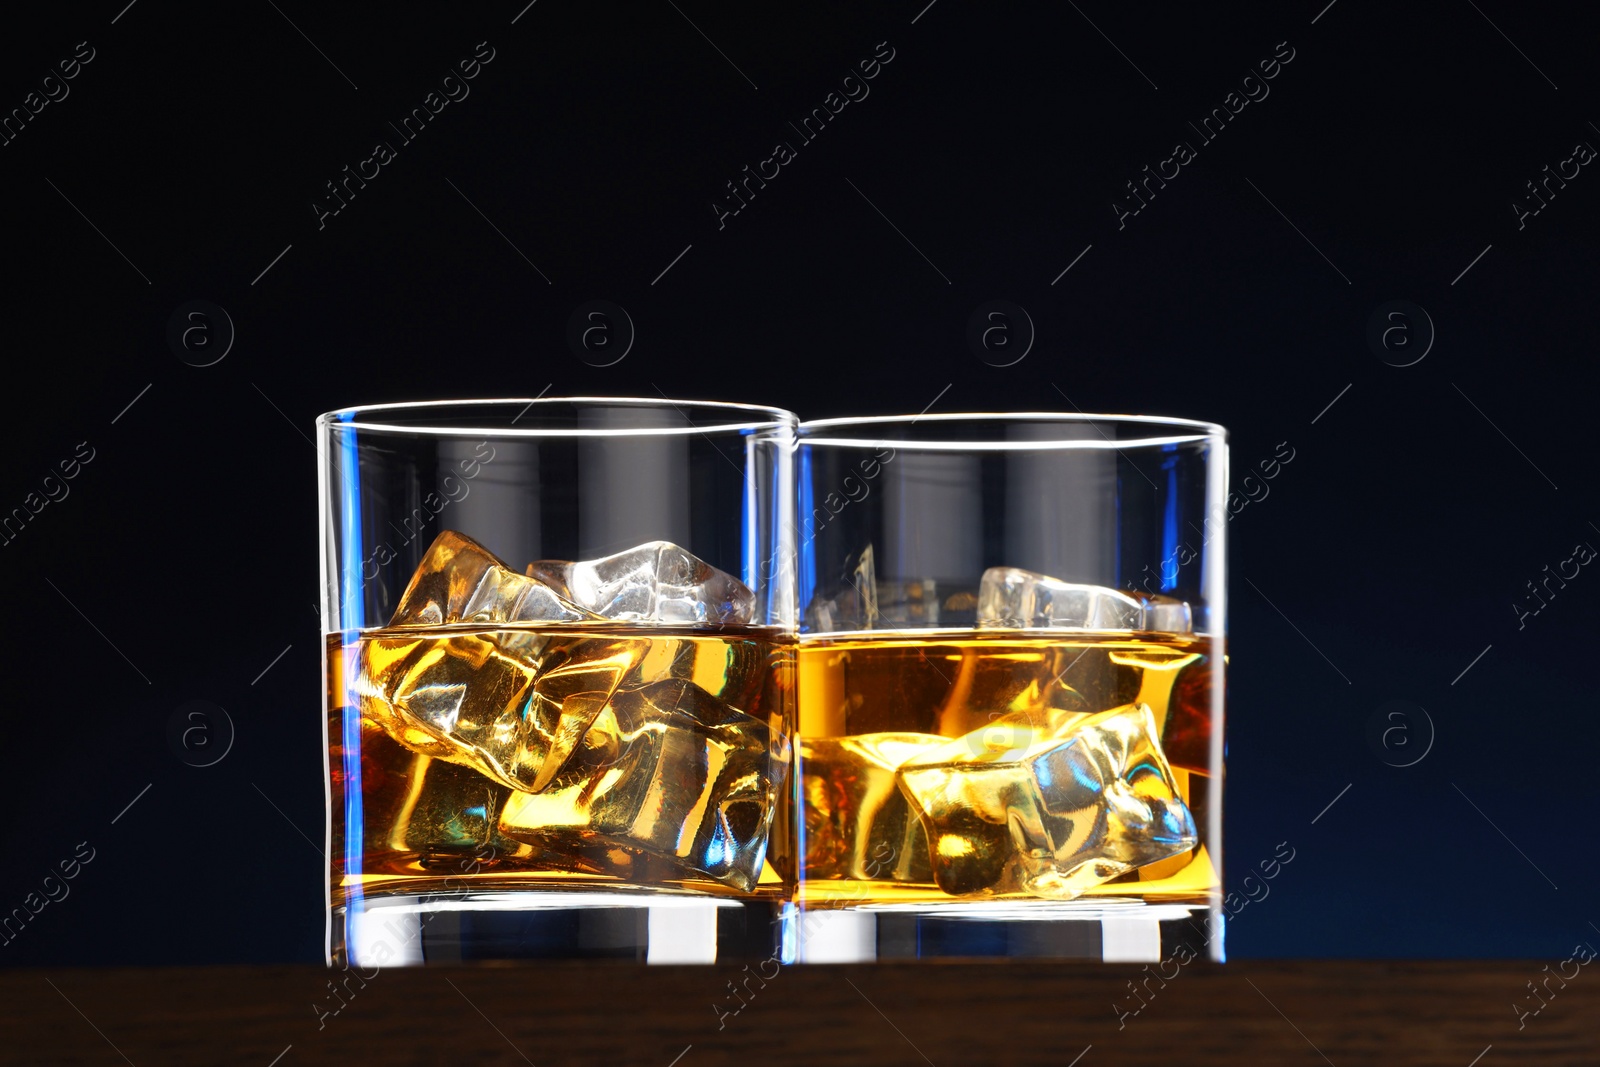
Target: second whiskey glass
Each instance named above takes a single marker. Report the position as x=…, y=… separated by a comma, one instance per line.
x=1009, y=739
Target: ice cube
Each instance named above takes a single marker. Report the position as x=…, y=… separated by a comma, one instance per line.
x=907, y=602
x=869, y=603
x=437, y=815
x=1013, y=731
x=857, y=821
x=1012, y=597
x=459, y=580
x=491, y=701
x=656, y=582
x=1050, y=816
x=669, y=769
x=855, y=607
x=1165, y=614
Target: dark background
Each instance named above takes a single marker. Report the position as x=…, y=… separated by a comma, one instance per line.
x=1384, y=560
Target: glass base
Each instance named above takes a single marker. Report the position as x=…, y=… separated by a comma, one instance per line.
x=1110, y=930
x=654, y=928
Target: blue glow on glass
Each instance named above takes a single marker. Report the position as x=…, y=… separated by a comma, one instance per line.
x=354, y=846
x=1169, y=522
x=807, y=571
x=795, y=798
x=351, y=616
x=747, y=527
x=778, y=507
x=347, y=469
x=789, y=925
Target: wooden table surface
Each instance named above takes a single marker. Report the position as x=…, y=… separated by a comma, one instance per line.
x=1454, y=1013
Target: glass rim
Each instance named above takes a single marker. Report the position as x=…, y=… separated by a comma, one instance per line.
x=360, y=417
x=1197, y=431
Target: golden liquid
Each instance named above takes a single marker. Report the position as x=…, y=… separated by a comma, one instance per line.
x=869, y=704
x=643, y=785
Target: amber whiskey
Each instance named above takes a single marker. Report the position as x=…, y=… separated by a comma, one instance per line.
x=592, y=756
x=935, y=766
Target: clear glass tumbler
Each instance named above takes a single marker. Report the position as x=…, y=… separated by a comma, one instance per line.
x=560, y=680
x=1011, y=651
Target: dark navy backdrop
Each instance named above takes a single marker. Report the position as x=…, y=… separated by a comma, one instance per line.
x=1406, y=719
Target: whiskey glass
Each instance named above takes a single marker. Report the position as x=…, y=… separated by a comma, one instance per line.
x=1011, y=651
x=559, y=682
